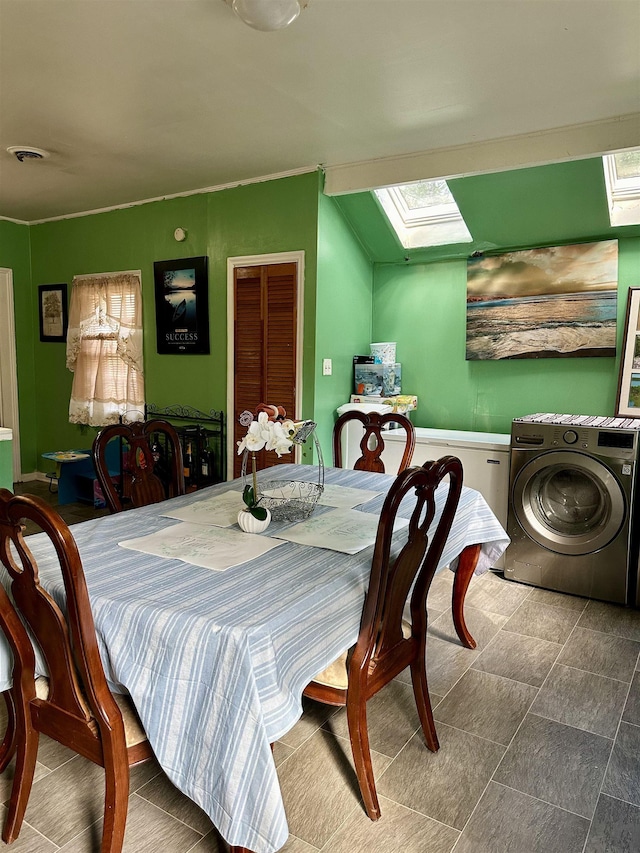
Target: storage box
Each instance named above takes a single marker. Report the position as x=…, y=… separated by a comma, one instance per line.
x=377, y=379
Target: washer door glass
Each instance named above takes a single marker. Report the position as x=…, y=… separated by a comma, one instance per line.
x=568, y=502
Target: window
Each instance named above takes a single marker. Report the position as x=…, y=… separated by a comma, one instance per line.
x=424, y=214
x=622, y=179
x=104, y=349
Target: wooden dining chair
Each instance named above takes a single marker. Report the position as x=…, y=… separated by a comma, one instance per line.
x=73, y=705
x=402, y=564
x=143, y=477
x=372, y=443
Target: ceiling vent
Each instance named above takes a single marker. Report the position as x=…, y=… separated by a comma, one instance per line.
x=22, y=153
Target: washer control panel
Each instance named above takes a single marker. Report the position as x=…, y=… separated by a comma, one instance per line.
x=616, y=443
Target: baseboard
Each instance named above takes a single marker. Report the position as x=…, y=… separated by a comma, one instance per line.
x=35, y=475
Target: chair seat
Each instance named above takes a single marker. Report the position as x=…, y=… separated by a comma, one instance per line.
x=133, y=731
x=335, y=675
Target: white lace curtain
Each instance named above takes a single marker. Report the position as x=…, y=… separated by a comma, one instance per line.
x=104, y=348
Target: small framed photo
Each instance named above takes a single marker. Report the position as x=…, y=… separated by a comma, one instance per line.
x=628, y=399
x=182, y=306
x=54, y=317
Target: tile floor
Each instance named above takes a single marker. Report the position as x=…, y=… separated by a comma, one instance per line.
x=540, y=747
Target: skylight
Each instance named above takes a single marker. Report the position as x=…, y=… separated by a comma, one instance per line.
x=622, y=179
x=424, y=214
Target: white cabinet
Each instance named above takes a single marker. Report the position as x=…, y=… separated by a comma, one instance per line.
x=6, y=459
x=484, y=457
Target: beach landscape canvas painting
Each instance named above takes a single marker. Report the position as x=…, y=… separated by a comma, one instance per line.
x=554, y=302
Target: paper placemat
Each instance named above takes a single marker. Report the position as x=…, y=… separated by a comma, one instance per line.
x=345, y=496
x=345, y=530
x=219, y=510
x=209, y=547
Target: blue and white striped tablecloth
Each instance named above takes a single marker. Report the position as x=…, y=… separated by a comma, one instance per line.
x=216, y=662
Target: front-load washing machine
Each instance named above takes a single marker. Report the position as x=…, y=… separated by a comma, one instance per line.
x=572, y=491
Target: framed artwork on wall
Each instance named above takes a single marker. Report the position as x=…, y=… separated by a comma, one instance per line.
x=182, y=306
x=628, y=399
x=550, y=302
x=54, y=316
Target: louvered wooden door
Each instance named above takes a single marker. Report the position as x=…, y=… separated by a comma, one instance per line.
x=265, y=326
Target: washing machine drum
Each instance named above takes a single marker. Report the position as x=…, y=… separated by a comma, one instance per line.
x=568, y=502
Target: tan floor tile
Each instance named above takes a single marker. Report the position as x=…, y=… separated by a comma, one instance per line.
x=493, y=593
x=148, y=830
x=399, y=829
x=313, y=717
x=211, y=843
x=281, y=752
x=320, y=788
x=6, y=779
x=444, y=785
x=392, y=719
x=167, y=797
x=68, y=800
x=482, y=625
x=297, y=845
x=29, y=841
x=446, y=663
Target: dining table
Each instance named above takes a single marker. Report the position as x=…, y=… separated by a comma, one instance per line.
x=215, y=657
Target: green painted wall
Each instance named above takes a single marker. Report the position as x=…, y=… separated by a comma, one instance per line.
x=6, y=464
x=354, y=293
x=423, y=308
x=343, y=313
x=15, y=255
x=274, y=216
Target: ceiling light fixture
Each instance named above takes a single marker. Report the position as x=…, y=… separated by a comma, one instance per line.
x=267, y=15
x=25, y=152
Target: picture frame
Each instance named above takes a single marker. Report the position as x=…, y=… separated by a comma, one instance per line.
x=628, y=396
x=182, y=306
x=53, y=313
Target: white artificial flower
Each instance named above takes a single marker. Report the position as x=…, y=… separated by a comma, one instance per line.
x=289, y=427
x=282, y=446
x=255, y=439
x=262, y=426
x=272, y=435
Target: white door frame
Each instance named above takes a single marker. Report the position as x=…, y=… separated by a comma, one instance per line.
x=9, y=411
x=258, y=261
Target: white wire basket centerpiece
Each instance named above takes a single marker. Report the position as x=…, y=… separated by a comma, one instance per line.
x=287, y=500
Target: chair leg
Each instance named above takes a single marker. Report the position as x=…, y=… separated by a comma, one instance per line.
x=26, y=755
x=423, y=702
x=359, y=735
x=467, y=563
x=8, y=746
x=116, y=805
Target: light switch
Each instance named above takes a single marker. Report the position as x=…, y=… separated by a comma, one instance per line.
x=326, y=367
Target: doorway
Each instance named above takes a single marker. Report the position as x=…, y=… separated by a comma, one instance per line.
x=8, y=368
x=264, y=341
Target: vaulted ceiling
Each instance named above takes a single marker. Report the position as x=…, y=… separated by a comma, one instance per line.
x=543, y=205
x=138, y=99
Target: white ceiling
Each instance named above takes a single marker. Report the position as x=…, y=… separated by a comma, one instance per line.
x=138, y=99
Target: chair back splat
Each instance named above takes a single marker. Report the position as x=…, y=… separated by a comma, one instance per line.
x=372, y=443
x=143, y=478
x=402, y=568
x=73, y=705
x=393, y=576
